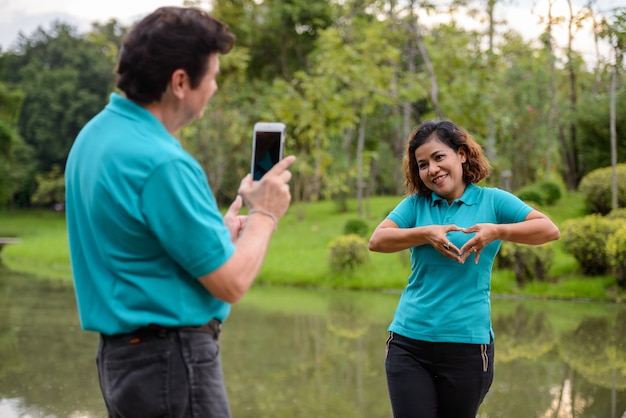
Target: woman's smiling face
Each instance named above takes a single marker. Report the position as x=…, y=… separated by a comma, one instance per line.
x=441, y=169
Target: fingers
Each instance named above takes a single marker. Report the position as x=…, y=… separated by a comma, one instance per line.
x=449, y=246
x=465, y=253
x=235, y=207
x=233, y=221
x=282, y=166
x=450, y=250
x=271, y=193
x=477, y=257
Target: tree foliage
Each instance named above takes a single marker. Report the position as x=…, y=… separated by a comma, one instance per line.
x=65, y=78
x=351, y=80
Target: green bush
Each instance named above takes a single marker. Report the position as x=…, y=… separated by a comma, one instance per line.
x=616, y=251
x=356, y=226
x=347, y=252
x=585, y=238
x=531, y=194
x=596, y=189
x=619, y=213
x=504, y=258
x=528, y=262
x=551, y=191
x=50, y=187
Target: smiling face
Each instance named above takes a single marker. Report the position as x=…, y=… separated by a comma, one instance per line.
x=441, y=169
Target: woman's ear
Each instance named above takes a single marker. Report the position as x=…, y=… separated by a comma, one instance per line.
x=462, y=155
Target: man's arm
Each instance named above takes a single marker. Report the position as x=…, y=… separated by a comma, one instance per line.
x=268, y=201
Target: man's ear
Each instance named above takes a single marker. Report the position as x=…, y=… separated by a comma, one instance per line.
x=178, y=80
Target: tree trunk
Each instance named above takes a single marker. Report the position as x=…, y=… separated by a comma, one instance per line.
x=419, y=41
x=614, y=132
x=574, y=169
x=360, y=183
x=490, y=148
x=552, y=101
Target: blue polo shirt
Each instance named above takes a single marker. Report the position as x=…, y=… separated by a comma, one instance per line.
x=143, y=225
x=446, y=301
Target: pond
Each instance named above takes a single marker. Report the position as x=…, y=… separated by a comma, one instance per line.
x=310, y=354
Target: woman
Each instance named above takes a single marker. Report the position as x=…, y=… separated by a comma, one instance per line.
x=440, y=347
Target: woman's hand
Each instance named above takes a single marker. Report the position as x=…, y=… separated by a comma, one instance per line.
x=437, y=236
x=485, y=234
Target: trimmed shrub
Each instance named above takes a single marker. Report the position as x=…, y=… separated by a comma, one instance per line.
x=596, y=189
x=528, y=262
x=504, y=258
x=347, y=252
x=531, y=194
x=585, y=238
x=356, y=226
x=616, y=252
x=551, y=191
x=619, y=213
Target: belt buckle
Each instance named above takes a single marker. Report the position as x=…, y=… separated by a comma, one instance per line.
x=215, y=327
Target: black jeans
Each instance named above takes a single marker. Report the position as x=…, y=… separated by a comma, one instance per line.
x=166, y=373
x=437, y=380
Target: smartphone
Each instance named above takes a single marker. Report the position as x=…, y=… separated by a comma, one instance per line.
x=268, y=142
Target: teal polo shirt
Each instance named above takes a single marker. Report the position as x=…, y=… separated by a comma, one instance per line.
x=446, y=301
x=143, y=225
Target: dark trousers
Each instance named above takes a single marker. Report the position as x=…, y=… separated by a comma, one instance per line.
x=162, y=373
x=437, y=380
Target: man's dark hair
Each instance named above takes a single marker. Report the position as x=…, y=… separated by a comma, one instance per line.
x=168, y=39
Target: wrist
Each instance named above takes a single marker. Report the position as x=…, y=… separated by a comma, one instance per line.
x=266, y=214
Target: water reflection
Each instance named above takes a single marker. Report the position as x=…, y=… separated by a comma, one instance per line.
x=308, y=353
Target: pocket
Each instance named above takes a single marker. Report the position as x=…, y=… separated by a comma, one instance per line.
x=487, y=354
x=137, y=385
x=388, y=343
x=209, y=398
x=205, y=360
x=485, y=357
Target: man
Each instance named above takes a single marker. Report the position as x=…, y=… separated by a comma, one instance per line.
x=155, y=265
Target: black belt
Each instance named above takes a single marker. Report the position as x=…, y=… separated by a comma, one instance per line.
x=213, y=327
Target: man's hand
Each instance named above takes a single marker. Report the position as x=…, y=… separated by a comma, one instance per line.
x=271, y=193
x=233, y=221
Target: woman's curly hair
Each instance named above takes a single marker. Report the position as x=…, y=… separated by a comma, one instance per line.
x=475, y=168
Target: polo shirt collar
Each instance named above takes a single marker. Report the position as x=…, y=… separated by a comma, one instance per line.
x=130, y=109
x=469, y=197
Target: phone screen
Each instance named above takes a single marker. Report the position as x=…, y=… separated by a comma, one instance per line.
x=267, y=152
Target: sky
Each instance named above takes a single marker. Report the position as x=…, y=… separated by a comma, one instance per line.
x=26, y=15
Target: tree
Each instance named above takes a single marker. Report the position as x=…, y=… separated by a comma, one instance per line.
x=66, y=79
x=16, y=169
x=616, y=33
x=10, y=106
x=281, y=34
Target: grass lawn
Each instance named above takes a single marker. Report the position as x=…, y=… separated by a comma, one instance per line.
x=299, y=250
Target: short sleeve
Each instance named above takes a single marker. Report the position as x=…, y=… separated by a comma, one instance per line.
x=404, y=214
x=510, y=208
x=180, y=209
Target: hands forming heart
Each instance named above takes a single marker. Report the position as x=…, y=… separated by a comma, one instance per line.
x=483, y=235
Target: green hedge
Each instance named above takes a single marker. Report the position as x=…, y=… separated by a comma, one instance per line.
x=551, y=191
x=356, y=226
x=596, y=189
x=347, y=252
x=528, y=262
x=616, y=252
x=586, y=238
